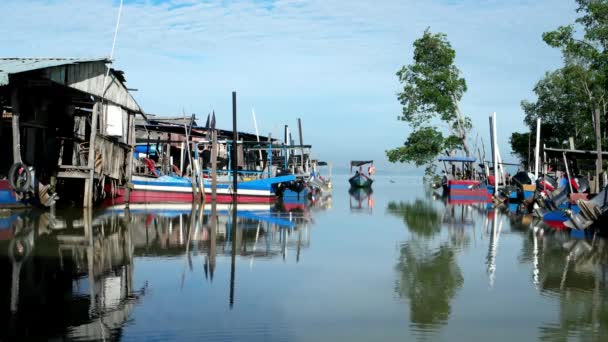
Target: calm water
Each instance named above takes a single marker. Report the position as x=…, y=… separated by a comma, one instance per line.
x=394, y=265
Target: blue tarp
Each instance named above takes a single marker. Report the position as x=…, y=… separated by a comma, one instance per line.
x=458, y=159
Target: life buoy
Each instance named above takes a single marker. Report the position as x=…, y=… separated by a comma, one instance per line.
x=19, y=177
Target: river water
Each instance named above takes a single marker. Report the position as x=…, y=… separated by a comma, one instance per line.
x=396, y=264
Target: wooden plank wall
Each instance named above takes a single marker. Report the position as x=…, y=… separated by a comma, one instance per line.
x=89, y=78
x=110, y=158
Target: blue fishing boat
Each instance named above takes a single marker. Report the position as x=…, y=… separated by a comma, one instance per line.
x=360, y=179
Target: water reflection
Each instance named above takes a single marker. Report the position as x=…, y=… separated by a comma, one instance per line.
x=420, y=217
x=428, y=273
x=573, y=272
x=70, y=274
x=361, y=200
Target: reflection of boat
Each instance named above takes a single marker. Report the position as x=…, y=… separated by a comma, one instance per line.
x=363, y=199
x=360, y=179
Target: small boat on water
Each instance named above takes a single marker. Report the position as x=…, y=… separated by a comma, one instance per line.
x=175, y=189
x=461, y=185
x=360, y=179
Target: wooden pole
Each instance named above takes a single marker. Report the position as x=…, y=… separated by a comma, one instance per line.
x=568, y=171
x=257, y=135
x=598, y=145
x=213, y=166
x=537, y=149
x=181, y=159
x=131, y=142
x=193, y=179
x=301, y=140
x=235, y=155
x=15, y=124
x=88, y=183
x=497, y=175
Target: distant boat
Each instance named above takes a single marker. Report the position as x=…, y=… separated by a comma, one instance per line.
x=360, y=179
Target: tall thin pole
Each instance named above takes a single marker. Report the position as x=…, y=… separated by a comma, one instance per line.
x=235, y=138
x=568, y=172
x=257, y=134
x=301, y=140
x=537, y=149
x=497, y=175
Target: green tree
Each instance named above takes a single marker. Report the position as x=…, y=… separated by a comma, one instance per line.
x=584, y=79
x=520, y=146
x=432, y=90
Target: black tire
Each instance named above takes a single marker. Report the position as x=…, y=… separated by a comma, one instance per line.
x=19, y=177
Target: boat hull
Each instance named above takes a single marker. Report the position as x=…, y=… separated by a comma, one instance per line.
x=360, y=181
x=169, y=189
x=467, y=192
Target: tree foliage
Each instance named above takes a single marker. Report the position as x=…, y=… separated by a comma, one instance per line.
x=571, y=99
x=520, y=146
x=432, y=90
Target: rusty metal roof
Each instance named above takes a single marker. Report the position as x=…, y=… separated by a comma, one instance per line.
x=17, y=65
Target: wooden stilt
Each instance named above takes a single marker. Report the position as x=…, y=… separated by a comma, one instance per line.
x=15, y=122
x=130, y=156
x=213, y=166
x=88, y=183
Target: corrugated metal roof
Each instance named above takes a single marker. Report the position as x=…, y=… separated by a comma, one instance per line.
x=17, y=65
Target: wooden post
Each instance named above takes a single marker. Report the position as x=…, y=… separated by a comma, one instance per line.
x=301, y=141
x=16, y=131
x=537, y=149
x=567, y=171
x=257, y=136
x=88, y=183
x=130, y=155
x=598, y=145
x=213, y=166
x=235, y=154
x=497, y=175
x=181, y=159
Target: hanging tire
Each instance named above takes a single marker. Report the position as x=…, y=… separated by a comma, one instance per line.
x=19, y=177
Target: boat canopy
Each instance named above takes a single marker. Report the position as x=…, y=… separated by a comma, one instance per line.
x=360, y=162
x=322, y=163
x=458, y=159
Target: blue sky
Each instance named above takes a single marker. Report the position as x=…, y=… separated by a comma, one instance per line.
x=330, y=62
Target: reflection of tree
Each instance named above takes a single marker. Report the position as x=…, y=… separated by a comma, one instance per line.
x=429, y=279
x=420, y=217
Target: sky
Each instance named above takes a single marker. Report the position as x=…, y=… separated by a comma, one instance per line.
x=331, y=63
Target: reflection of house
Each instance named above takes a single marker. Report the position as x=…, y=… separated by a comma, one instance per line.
x=50, y=107
x=66, y=282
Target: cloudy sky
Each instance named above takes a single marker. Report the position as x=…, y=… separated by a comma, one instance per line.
x=330, y=62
